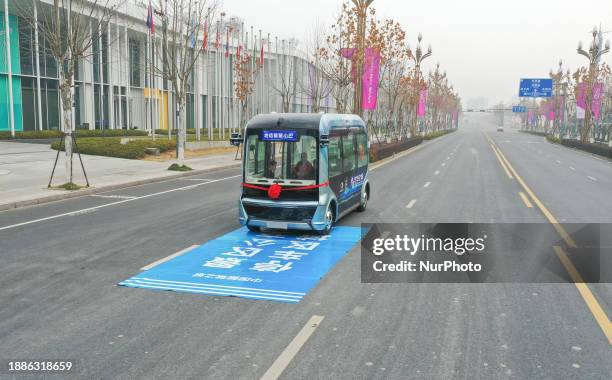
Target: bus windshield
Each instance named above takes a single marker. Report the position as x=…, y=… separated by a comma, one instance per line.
x=278, y=160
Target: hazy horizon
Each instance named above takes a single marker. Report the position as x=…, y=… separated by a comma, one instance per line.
x=485, y=47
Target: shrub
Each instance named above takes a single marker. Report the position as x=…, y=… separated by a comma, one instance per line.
x=112, y=147
x=79, y=134
x=70, y=186
x=179, y=168
x=553, y=139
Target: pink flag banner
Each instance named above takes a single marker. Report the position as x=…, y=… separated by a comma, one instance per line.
x=422, y=103
x=371, y=71
x=551, y=115
x=598, y=92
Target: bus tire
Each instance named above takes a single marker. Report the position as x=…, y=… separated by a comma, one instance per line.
x=363, y=202
x=329, y=218
x=253, y=228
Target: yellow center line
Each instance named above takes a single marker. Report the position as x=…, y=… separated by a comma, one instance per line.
x=551, y=218
x=589, y=298
x=525, y=199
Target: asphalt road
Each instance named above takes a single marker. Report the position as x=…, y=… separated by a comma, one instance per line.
x=61, y=263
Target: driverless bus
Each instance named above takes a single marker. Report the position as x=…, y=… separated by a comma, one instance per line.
x=302, y=171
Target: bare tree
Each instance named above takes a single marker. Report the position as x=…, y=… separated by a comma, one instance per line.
x=318, y=85
x=67, y=26
x=285, y=84
x=183, y=23
x=244, y=84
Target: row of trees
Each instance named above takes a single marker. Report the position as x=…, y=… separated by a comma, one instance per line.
x=69, y=26
x=581, y=106
x=400, y=81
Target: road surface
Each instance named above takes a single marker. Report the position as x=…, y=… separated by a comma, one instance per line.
x=61, y=263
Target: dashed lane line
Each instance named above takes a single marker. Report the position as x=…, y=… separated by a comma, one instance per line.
x=411, y=204
x=281, y=363
x=525, y=199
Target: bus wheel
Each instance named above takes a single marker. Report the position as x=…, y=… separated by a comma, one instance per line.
x=363, y=203
x=253, y=228
x=329, y=221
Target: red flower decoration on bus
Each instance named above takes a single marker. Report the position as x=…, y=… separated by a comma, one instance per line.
x=274, y=191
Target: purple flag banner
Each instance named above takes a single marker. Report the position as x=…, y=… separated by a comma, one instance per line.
x=371, y=70
x=422, y=103
x=598, y=91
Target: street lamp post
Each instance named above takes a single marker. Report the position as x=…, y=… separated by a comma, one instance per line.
x=418, y=57
x=593, y=54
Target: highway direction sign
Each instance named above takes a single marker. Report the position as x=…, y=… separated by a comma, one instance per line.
x=536, y=88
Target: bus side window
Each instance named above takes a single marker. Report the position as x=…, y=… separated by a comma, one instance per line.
x=334, y=157
x=362, y=150
x=349, y=157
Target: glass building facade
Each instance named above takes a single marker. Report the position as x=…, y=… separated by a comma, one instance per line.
x=113, y=85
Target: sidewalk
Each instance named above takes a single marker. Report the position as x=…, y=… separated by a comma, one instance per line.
x=25, y=170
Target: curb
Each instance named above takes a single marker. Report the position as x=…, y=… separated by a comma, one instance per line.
x=91, y=191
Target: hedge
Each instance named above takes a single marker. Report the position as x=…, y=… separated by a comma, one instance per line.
x=596, y=148
x=433, y=135
x=29, y=135
x=112, y=147
x=383, y=150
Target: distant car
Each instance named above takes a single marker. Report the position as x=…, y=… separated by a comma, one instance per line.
x=483, y=110
x=500, y=129
x=470, y=110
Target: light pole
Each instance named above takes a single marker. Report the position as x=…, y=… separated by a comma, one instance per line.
x=418, y=57
x=594, y=54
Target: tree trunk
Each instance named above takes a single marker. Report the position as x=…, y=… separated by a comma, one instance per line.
x=66, y=96
x=182, y=130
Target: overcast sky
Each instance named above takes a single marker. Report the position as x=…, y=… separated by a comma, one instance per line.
x=484, y=45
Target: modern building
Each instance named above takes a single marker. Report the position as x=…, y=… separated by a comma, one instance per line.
x=114, y=87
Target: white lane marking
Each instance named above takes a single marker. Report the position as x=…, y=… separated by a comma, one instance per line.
x=427, y=185
x=195, y=179
x=411, y=204
x=444, y=164
x=558, y=161
x=112, y=196
x=91, y=209
x=447, y=158
x=281, y=363
x=169, y=257
x=592, y=178
x=572, y=168
x=436, y=172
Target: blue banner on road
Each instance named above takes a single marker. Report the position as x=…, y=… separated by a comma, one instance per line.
x=536, y=88
x=265, y=266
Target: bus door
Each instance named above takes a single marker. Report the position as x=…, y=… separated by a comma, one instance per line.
x=347, y=166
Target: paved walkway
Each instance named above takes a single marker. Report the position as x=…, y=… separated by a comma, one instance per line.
x=25, y=170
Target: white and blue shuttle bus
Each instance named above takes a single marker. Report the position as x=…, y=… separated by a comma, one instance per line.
x=303, y=171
